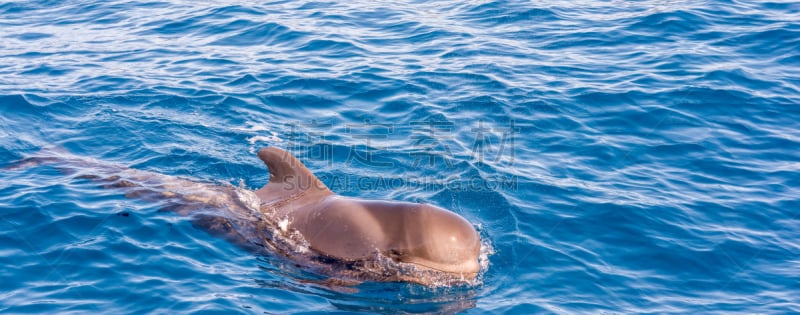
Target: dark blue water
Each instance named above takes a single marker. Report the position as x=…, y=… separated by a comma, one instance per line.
x=619, y=157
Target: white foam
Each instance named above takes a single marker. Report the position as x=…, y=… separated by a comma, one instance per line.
x=252, y=127
x=272, y=138
x=249, y=200
x=284, y=225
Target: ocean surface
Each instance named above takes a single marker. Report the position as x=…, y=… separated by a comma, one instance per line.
x=615, y=156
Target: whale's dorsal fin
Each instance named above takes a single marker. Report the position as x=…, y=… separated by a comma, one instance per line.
x=288, y=177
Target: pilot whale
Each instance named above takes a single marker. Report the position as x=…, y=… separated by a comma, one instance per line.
x=347, y=239
x=354, y=229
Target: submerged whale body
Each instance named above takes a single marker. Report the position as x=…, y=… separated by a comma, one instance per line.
x=349, y=240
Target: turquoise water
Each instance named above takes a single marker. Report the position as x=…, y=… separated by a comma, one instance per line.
x=618, y=157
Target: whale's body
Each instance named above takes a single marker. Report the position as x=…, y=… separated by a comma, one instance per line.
x=297, y=216
x=354, y=229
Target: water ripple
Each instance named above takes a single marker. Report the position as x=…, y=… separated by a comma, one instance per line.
x=619, y=157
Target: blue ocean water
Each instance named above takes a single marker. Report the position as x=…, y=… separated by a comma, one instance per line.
x=617, y=156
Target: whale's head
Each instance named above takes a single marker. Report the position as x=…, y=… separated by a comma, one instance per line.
x=441, y=240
